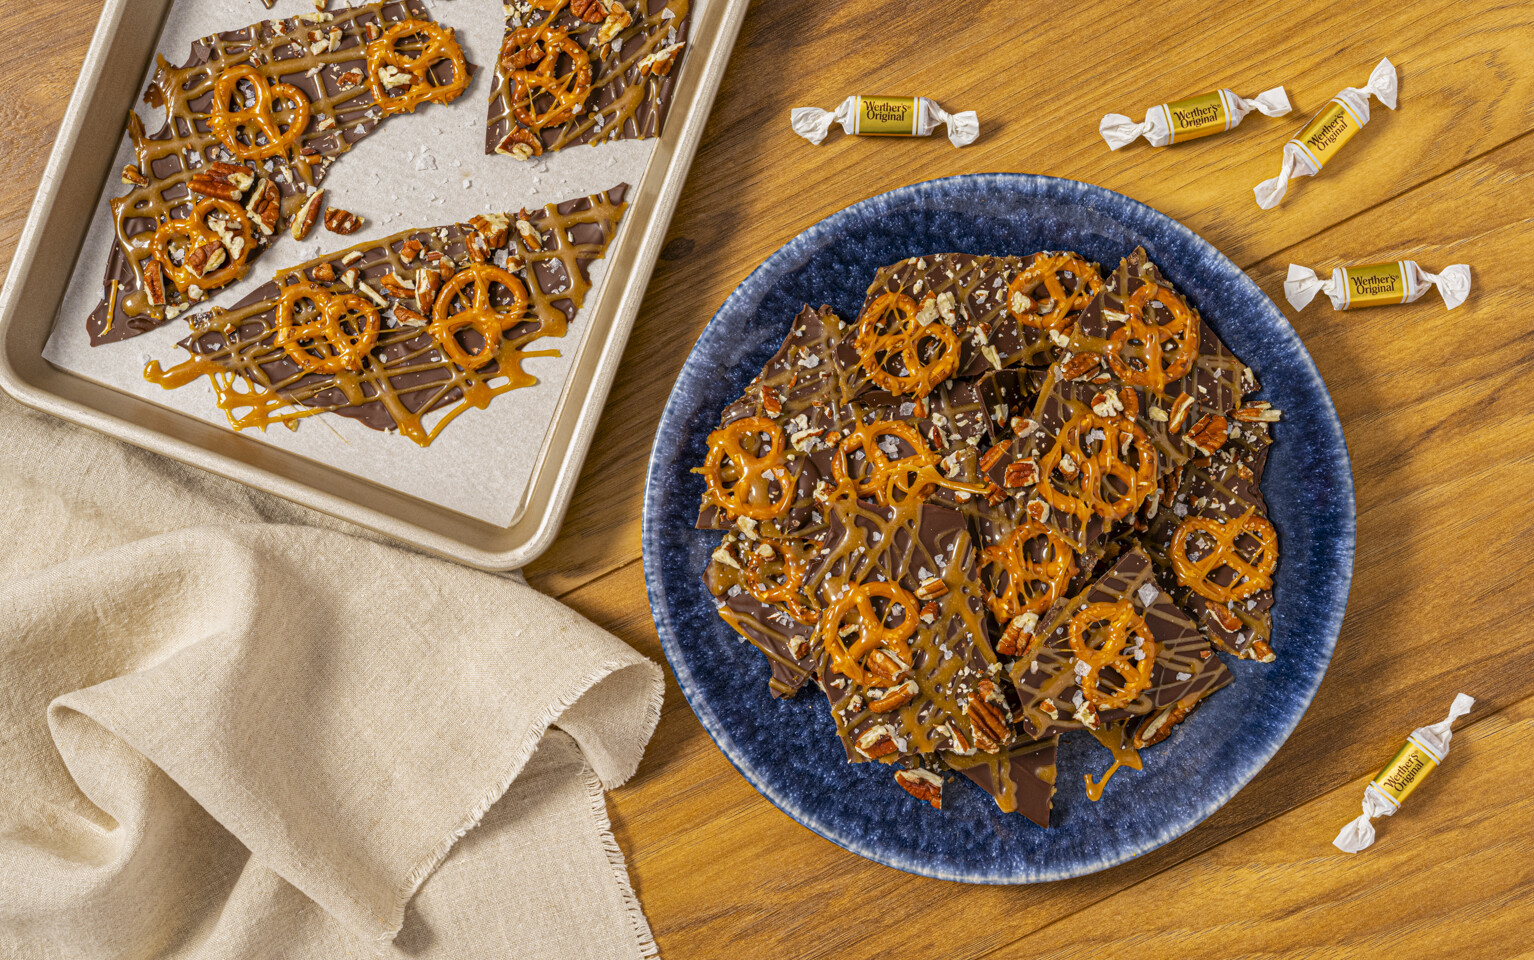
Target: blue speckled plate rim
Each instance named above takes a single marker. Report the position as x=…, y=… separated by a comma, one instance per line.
x=804, y=245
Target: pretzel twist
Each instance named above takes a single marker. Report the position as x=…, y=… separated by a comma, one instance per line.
x=1121, y=439
x=779, y=578
x=1045, y=271
x=440, y=46
x=1032, y=585
x=192, y=232
x=280, y=128
x=1114, y=651
x=1137, y=352
x=479, y=313
x=569, y=90
x=886, y=479
x=341, y=349
x=888, y=331
x=749, y=494
x=872, y=630
x=1251, y=575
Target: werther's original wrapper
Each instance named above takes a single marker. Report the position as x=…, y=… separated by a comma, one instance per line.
x=886, y=117
x=1200, y=116
x=1376, y=284
x=1425, y=749
x=1342, y=117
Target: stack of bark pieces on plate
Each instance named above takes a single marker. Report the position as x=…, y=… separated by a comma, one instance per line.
x=1016, y=497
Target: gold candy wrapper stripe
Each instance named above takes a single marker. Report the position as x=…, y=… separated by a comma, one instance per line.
x=887, y=116
x=1409, y=767
x=1200, y=116
x=1325, y=134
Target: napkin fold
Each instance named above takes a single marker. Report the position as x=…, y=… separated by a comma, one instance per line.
x=229, y=728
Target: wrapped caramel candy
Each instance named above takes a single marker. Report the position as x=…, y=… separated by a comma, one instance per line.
x=1200, y=116
x=1342, y=117
x=1425, y=749
x=886, y=117
x=1376, y=284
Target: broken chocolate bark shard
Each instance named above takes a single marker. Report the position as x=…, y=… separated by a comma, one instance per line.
x=927, y=552
x=1020, y=778
x=254, y=121
x=1048, y=681
x=432, y=359
x=761, y=597
x=585, y=71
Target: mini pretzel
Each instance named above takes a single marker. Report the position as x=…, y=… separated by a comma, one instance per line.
x=569, y=90
x=1095, y=470
x=1250, y=575
x=872, y=631
x=1032, y=585
x=1115, y=651
x=440, y=46
x=340, y=349
x=1045, y=270
x=779, y=578
x=891, y=480
x=484, y=317
x=281, y=128
x=749, y=494
x=192, y=232
x=887, y=330
x=1148, y=365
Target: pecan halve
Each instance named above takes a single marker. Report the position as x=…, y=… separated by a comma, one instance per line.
x=264, y=206
x=342, y=222
x=308, y=216
x=1209, y=434
x=1079, y=366
x=894, y=698
x=922, y=784
x=875, y=742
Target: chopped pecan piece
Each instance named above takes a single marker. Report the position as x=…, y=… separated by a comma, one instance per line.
x=1079, y=366
x=409, y=250
x=617, y=21
x=993, y=456
x=206, y=258
x=875, y=742
x=427, y=283
x=396, y=286
x=1259, y=412
x=324, y=273
x=986, y=719
x=495, y=228
x=1106, y=403
x=771, y=403
x=408, y=317
x=1223, y=615
x=307, y=216
x=894, y=698
x=226, y=181
x=931, y=589
x=132, y=175
x=660, y=62
x=531, y=239
x=521, y=144
x=1130, y=400
x=1180, y=408
x=922, y=784
x=884, y=663
x=154, y=282
x=1038, y=510
x=265, y=206
x=342, y=222
x=1021, y=473
x=351, y=78
x=1209, y=434
x=591, y=11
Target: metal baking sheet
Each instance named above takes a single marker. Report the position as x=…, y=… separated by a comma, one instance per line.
x=503, y=535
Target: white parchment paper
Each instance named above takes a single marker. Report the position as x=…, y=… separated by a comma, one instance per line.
x=423, y=169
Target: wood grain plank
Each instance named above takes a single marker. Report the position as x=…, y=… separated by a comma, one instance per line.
x=1040, y=84
x=1428, y=397
x=1450, y=876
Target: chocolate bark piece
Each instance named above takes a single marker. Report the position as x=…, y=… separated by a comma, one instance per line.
x=970, y=296
x=800, y=389
x=1030, y=344
x=1221, y=488
x=1047, y=682
x=1020, y=778
x=747, y=587
x=928, y=551
x=1215, y=383
x=408, y=374
x=632, y=53
x=323, y=60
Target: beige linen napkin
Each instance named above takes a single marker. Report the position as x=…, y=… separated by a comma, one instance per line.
x=229, y=728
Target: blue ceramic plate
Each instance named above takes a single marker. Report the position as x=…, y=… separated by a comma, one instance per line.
x=789, y=750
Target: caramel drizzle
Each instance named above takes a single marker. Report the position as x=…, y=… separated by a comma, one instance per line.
x=252, y=395
x=609, y=107
x=273, y=49
x=1001, y=765
x=1116, y=739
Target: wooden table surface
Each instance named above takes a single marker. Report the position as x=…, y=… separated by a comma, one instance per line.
x=1438, y=410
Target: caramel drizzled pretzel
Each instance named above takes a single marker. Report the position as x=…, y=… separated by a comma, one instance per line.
x=1106, y=476
x=416, y=52
x=763, y=600
x=342, y=327
x=584, y=72
x=1251, y=570
x=1053, y=699
x=1033, y=566
x=275, y=103
x=407, y=381
x=889, y=335
x=889, y=478
x=1037, y=297
x=745, y=469
x=1137, y=349
x=1132, y=662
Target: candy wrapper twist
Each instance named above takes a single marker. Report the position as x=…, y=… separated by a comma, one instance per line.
x=1342, y=117
x=1192, y=118
x=886, y=117
x=1425, y=749
x=1376, y=284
